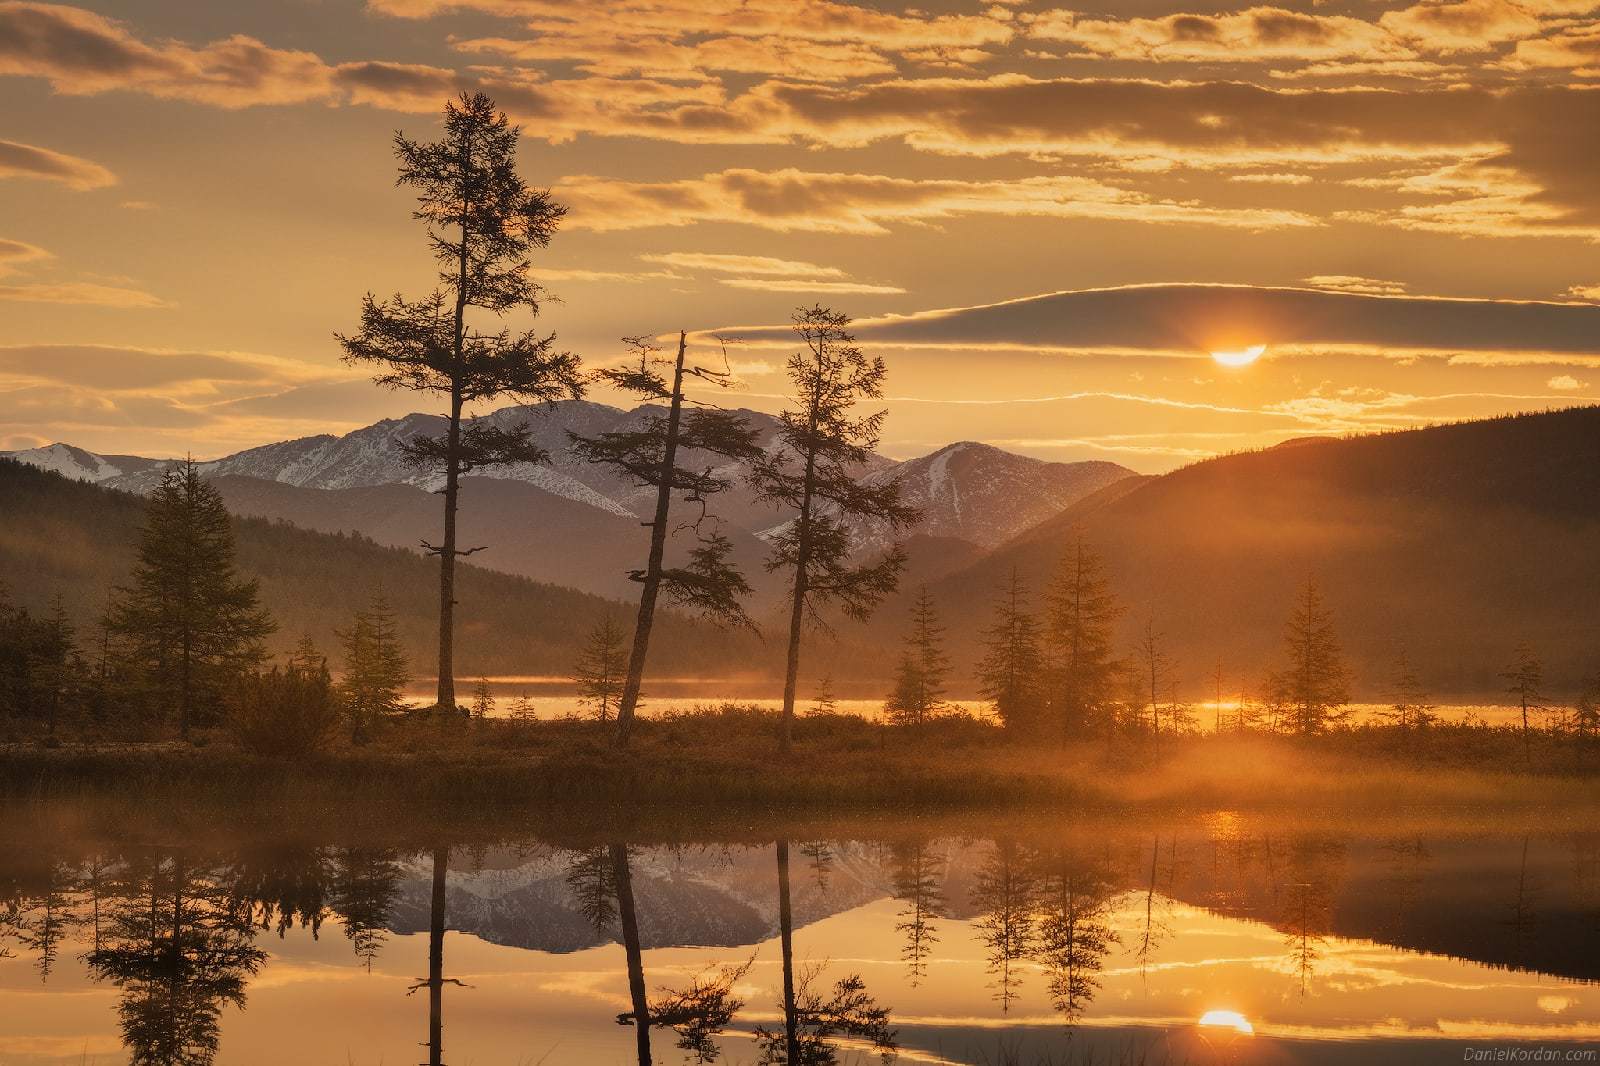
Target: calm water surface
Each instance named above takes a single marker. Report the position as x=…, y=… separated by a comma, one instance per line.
x=1045, y=940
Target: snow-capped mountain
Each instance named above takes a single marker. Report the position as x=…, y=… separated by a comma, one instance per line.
x=982, y=494
x=80, y=465
x=571, y=522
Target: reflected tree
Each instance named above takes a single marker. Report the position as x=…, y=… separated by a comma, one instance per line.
x=820, y=855
x=436, y=980
x=591, y=877
x=179, y=952
x=1006, y=895
x=283, y=886
x=700, y=1012
x=915, y=877
x=1313, y=871
x=1153, y=927
x=366, y=882
x=628, y=920
x=47, y=915
x=1074, y=935
x=814, y=1023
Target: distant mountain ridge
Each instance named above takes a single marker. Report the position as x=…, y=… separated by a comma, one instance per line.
x=568, y=521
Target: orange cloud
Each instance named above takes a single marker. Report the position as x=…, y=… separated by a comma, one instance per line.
x=82, y=293
x=1257, y=34
x=795, y=200
x=27, y=161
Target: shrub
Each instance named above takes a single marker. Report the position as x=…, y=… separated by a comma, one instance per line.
x=283, y=713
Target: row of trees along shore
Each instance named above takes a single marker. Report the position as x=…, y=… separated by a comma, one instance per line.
x=183, y=643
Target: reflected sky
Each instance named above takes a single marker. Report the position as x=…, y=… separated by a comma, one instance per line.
x=1313, y=940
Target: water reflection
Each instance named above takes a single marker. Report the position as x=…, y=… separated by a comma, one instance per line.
x=798, y=953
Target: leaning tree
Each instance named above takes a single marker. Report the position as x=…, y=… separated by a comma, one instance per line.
x=482, y=222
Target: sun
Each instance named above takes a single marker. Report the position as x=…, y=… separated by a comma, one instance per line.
x=1227, y=1019
x=1240, y=356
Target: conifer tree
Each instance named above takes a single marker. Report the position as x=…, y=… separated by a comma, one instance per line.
x=915, y=880
x=1525, y=680
x=1408, y=700
x=1080, y=612
x=599, y=671
x=375, y=669
x=1010, y=674
x=811, y=470
x=482, y=222
x=658, y=455
x=1317, y=682
x=824, y=703
x=482, y=700
x=187, y=621
x=919, y=682
x=1586, y=715
x=305, y=658
x=54, y=651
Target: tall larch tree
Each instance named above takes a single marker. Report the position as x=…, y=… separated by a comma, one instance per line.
x=919, y=681
x=1155, y=668
x=1011, y=672
x=811, y=470
x=676, y=452
x=187, y=621
x=375, y=669
x=482, y=222
x=1317, y=682
x=1080, y=612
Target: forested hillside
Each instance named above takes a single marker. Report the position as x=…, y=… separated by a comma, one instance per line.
x=74, y=540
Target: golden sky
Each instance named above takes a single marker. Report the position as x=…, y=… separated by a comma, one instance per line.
x=1046, y=216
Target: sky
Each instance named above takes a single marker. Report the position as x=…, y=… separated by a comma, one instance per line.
x=1046, y=216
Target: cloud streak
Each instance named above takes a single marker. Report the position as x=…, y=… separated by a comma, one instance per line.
x=29, y=161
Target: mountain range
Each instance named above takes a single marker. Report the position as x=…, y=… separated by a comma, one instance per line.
x=1453, y=543
x=571, y=522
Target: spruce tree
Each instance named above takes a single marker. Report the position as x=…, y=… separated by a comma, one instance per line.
x=1408, y=700
x=1010, y=674
x=187, y=621
x=375, y=669
x=811, y=470
x=482, y=222
x=599, y=672
x=1080, y=613
x=1317, y=683
x=676, y=451
x=1525, y=680
x=919, y=682
x=1154, y=670
x=482, y=699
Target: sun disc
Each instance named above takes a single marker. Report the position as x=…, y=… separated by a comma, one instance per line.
x=1240, y=356
x=1227, y=1019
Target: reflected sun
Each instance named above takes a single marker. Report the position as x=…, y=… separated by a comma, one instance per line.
x=1240, y=356
x=1227, y=1019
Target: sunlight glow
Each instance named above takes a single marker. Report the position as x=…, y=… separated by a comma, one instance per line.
x=1240, y=356
x=1227, y=1019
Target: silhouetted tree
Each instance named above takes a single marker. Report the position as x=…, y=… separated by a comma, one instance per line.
x=53, y=657
x=600, y=670
x=700, y=1012
x=1005, y=893
x=1408, y=700
x=811, y=470
x=1317, y=682
x=823, y=702
x=366, y=883
x=482, y=222
x=628, y=921
x=1525, y=680
x=919, y=680
x=812, y=1025
x=591, y=877
x=915, y=881
x=436, y=980
x=1074, y=937
x=1155, y=668
x=482, y=699
x=187, y=621
x=1586, y=714
x=658, y=455
x=178, y=952
x=375, y=670
x=1011, y=672
x=1080, y=613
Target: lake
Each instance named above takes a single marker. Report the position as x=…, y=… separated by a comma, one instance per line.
x=1213, y=937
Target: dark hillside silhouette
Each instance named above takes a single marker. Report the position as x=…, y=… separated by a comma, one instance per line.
x=77, y=540
x=1456, y=540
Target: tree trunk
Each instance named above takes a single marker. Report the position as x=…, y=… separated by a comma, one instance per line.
x=447, y=559
x=791, y=1023
x=658, y=550
x=436, y=925
x=797, y=612
x=186, y=686
x=623, y=875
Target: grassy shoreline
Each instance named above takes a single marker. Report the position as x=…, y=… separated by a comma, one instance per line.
x=726, y=761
